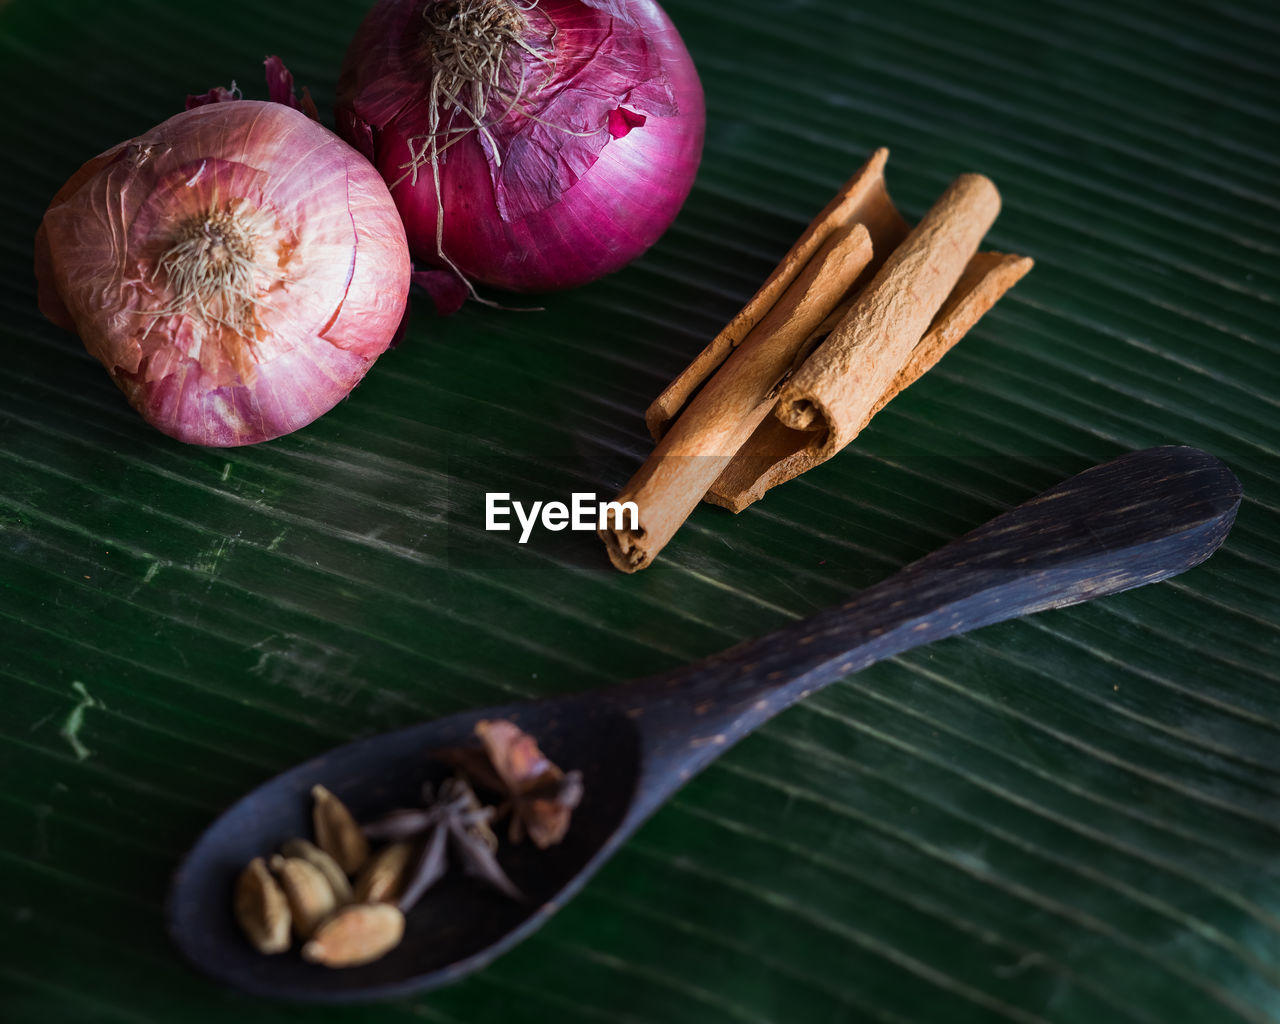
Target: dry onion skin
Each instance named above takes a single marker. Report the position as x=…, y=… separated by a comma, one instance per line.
x=237, y=270
x=531, y=145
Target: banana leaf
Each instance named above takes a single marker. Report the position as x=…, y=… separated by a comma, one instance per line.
x=1069, y=818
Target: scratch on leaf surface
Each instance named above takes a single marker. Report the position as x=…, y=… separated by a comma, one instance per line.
x=208, y=561
x=75, y=720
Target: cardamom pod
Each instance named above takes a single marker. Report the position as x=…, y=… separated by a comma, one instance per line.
x=356, y=934
x=337, y=832
x=309, y=893
x=384, y=874
x=327, y=866
x=262, y=909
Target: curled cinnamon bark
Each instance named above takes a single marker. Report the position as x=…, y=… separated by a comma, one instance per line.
x=840, y=385
x=718, y=421
x=861, y=200
x=776, y=453
x=857, y=310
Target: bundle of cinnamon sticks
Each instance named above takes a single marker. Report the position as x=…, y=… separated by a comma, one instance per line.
x=857, y=310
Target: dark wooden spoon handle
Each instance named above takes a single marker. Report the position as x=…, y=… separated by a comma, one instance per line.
x=1139, y=519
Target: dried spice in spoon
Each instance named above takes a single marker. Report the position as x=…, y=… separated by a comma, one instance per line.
x=453, y=823
x=347, y=900
x=539, y=796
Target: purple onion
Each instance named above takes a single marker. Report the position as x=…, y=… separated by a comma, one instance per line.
x=586, y=149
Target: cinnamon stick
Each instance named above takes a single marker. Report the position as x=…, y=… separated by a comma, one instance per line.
x=775, y=453
x=837, y=390
x=823, y=350
x=863, y=200
x=718, y=421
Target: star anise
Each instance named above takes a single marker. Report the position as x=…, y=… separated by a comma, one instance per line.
x=453, y=823
x=539, y=796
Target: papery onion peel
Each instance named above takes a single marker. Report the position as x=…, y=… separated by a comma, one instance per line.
x=237, y=269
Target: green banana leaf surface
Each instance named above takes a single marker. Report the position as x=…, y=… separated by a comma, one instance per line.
x=1069, y=818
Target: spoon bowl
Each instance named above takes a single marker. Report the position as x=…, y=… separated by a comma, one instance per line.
x=1138, y=519
x=460, y=925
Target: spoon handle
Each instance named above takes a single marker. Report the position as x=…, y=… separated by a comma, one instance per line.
x=1138, y=519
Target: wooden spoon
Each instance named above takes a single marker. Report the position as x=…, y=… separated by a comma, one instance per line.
x=1139, y=519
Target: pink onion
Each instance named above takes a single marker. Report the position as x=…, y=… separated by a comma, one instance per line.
x=236, y=269
x=570, y=143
